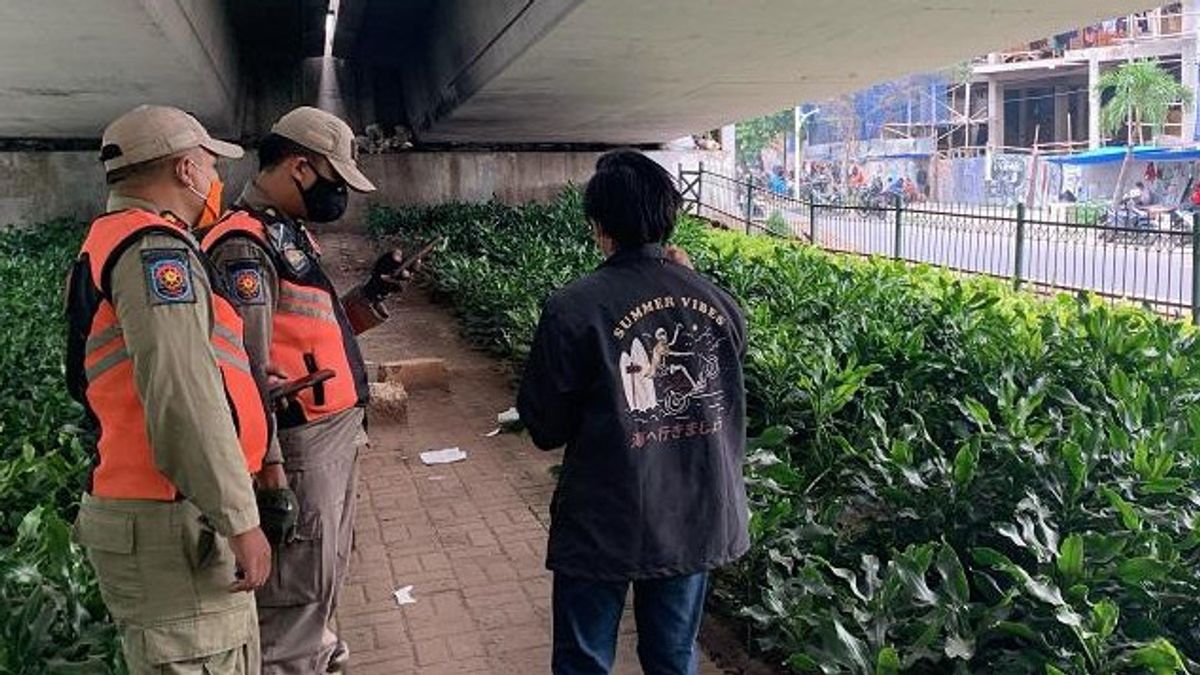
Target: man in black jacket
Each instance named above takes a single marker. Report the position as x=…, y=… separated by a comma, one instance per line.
x=637, y=369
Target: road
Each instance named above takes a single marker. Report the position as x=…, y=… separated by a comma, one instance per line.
x=1156, y=272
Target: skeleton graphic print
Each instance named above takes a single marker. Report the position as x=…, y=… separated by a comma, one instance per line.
x=670, y=369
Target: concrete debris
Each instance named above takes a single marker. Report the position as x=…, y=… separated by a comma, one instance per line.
x=390, y=400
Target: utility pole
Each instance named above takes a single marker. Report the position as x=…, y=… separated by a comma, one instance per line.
x=798, y=120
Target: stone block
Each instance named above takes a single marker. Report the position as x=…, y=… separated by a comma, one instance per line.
x=416, y=374
x=389, y=400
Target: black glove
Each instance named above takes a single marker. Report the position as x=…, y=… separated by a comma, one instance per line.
x=278, y=515
x=386, y=276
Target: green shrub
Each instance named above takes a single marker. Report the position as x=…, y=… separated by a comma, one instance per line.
x=948, y=476
x=1087, y=213
x=944, y=432
x=778, y=225
x=499, y=263
x=51, y=615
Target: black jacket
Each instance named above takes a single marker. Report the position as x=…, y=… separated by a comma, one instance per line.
x=637, y=369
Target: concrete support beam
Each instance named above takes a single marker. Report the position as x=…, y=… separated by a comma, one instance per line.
x=1024, y=130
x=469, y=44
x=1190, y=75
x=1062, y=106
x=995, y=114
x=68, y=67
x=729, y=138
x=1190, y=71
x=1095, y=137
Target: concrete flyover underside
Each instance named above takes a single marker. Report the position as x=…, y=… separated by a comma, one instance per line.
x=487, y=71
x=636, y=71
x=67, y=67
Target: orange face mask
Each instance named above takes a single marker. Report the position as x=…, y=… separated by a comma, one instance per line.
x=212, y=204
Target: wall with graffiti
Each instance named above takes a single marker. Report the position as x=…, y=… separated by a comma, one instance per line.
x=998, y=180
x=1169, y=180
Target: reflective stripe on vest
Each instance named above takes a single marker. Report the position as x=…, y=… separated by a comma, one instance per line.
x=127, y=468
x=308, y=330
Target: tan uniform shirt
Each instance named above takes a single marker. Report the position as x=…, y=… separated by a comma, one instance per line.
x=179, y=383
x=343, y=427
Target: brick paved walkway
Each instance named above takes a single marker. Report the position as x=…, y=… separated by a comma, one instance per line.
x=469, y=537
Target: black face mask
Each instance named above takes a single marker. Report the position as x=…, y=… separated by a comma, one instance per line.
x=325, y=201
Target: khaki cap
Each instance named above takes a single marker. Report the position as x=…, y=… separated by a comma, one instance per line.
x=152, y=131
x=328, y=135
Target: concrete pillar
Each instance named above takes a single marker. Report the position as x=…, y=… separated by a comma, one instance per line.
x=995, y=114
x=1094, y=133
x=1190, y=72
x=1061, y=108
x=729, y=139
x=1023, y=109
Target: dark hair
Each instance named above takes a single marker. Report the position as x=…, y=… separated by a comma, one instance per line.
x=632, y=198
x=274, y=148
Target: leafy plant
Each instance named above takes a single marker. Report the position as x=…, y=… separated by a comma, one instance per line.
x=499, y=263
x=778, y=225
x=52, y=619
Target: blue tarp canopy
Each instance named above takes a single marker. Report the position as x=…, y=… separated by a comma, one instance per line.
x=1143, y=153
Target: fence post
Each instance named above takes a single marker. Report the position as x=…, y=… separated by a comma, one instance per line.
x=1019, y=252
x=682, y=190
x=812, y=222
x=897, y=250
x=749, y=202
x=1196, y=268
x=700, y=188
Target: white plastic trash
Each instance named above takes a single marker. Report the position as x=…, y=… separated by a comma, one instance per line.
x=446, y=456
x=404, y=596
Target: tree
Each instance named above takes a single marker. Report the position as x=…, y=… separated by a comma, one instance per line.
x=842, y=114
x=1142, y=95
x=756, y=134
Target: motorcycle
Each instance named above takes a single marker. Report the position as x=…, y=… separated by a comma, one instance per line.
x=1127, y=222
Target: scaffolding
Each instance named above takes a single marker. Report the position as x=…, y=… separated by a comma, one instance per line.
x=911, y=103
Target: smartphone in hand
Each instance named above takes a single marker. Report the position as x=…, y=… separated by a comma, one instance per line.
x=293, y=387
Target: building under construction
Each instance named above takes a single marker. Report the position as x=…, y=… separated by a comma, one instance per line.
x=1036, y=99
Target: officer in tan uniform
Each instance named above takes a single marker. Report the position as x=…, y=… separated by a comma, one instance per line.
x=296, y=321
x=155, y=355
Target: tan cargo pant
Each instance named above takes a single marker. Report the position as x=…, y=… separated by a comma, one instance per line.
x=299, y=599
x=165, y=576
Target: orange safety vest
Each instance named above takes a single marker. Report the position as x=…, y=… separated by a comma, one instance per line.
x=100, y=370
x=309, y=325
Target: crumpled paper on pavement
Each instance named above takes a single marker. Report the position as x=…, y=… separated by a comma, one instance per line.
x=404, y=596
x=445, y=456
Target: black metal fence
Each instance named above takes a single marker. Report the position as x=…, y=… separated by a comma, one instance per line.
x=1148, y=255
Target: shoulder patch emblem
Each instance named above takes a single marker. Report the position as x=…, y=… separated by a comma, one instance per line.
x=168, y=276
x=246, y=281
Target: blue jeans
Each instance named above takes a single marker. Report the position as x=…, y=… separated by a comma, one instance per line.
x=587, y=614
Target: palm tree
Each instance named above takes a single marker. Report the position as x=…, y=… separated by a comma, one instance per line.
x=1143, y=93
